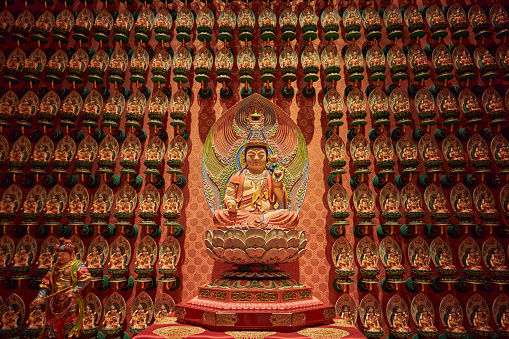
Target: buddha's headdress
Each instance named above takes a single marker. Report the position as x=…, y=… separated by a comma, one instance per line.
x=255, y=137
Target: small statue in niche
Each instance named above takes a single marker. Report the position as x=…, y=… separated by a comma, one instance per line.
x=440, y=204
x=90, y=317
x=496, y=260
x=445, y=260
x=372, y=320
x=95, y=258
x=414, y=204
x=425, y=320
x=36, y=318
x=487, y=205
x=342, y=260
x=338, y=203
x=368, y=261
x=346, y=315
x=46, y=258
x=472, y=260
x=453, y=320
x=144, y=259
x=149, y=204
x=480, y=320
x=102, y=204
x=22, y=257
x=62, y=153
x=112, y=317
x=118, y=259
x=130, y=152
x=139, y=318
x=77, y=205
x=391, y=204
x=163, y=313
x=54, y=205
x=172, y=204
x=421, y=260
x=124, y=204
x=11, y=317
x=399, y=320
x=167, y=259
x=393, y=259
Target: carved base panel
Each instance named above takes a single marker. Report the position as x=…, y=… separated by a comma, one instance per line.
x=219, y=316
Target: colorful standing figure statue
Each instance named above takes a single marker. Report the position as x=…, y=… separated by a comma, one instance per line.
x=471, y=108
x=339, y=205
x=391, y=211
x=364, y=202
x=126, y=200
x=54, y=207
x=33, y=206
x=494, y=107
x=419, y=257
x=397, y=315
x=384, y=155
x=484, y=201
x=451, y=314
x=500, y=152
x=452, y=150
x=78, y=207
x=120, y=256
x=470, y=257
x=360, y=153
x=367, y=257
x=428, y=148
x=371, y=317
x=423, y=314
x=24, y=257
x=114, y=314
x=61, y=287
x=9, y=206
x=391, y=257
x=407, y=154
x=169, y=255
x=478, y=313
x=343, y=258
x=142, y=312
x=335, y=149
x=500, y=311
x=85, y=156
x=437, y=23
x=146, y=254
x=442, y=257
x=462, y=205
x=98, y=251
x=18, y=156
x=437, y=205
x=494, y=259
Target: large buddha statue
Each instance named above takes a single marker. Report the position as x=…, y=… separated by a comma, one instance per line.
x=256, y=196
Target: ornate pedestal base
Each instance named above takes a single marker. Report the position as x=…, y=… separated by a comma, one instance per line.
x=281, y=317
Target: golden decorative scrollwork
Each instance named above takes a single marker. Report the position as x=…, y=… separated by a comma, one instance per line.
x=178, y=332
x=249, y=334
x=323, y=332
x=226, y=319
x=298, y=319
x=329, y=313
x=281, y=319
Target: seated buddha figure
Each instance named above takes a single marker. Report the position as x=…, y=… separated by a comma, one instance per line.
x=480, y=153
x=112, y=318
x=94, y=258
x=453, y=321
x=390, y=204
x=464, y=205
x=46, y=258
x=431, y=153
x=256, y=195
x=504, y=319
x=420, y=259
x=338, y=203
x=487, y=205
x=455, y=153
x=472, y=260
x=368, y=261
x=36, y=318
x=343, y=260
x=162, y=314
x=372, y=320
x=398, y=320
x=144, y=259
x=480, y=320
x=393, y=259
x=90, y=317
x=425, y=320
x=22, y=257
x=440, y=204
x=496, y=260
x=118, y=259
x=413, y=204
x=445, y=260
x=139, y=318
x=346, y=314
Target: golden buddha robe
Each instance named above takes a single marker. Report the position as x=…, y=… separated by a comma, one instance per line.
x=256, y=206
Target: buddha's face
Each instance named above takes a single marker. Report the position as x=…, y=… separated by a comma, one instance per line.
x=256, y=158
x=63, y=257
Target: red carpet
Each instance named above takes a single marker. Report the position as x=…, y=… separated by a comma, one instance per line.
x=172, y=330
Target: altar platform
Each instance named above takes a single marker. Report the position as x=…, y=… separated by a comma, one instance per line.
x=170, y=329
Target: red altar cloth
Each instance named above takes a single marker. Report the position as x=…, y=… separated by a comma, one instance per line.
x=170, y=329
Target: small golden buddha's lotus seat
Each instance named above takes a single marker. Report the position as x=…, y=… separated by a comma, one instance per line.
x=255, y=246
